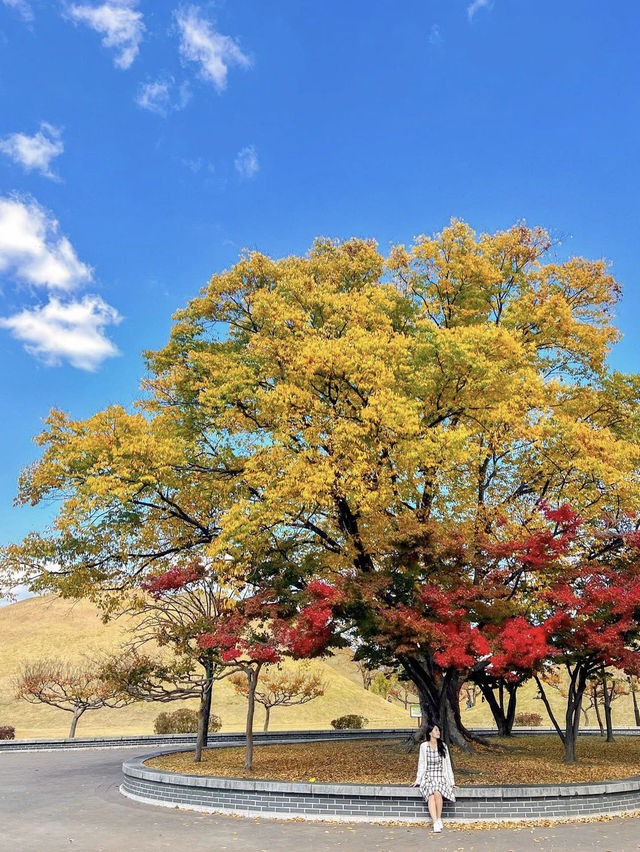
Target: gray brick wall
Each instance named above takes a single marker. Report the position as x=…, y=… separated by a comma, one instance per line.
x=372, y=802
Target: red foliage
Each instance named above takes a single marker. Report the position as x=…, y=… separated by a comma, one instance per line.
x=174, y=579
x=595, y=613
x=519, y=648
x=444, y=628
x=543, y=546
x=256, y=631
x=590, y=609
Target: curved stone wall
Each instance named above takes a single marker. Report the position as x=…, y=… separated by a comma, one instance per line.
x=370, y=802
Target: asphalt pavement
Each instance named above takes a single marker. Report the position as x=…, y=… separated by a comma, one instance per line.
x=69, y=800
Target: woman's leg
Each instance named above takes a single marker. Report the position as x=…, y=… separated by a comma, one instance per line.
x=438, y=803
x=433, y=807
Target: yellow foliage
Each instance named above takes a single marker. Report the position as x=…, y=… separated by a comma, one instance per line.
x=337, y=396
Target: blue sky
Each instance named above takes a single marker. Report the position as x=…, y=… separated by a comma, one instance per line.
x=143, y=144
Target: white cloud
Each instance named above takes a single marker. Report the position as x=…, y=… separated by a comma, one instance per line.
x=198, y=164
x=435, y=36
x=34, y=152
x=215, y=53
x=22, y=7
x=33, y=250
x=70, y=331
x=475, y=6
x=246, y=162
x=118, y=22
x=163, y=96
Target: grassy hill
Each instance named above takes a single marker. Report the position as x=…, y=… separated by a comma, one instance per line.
x=50, y=627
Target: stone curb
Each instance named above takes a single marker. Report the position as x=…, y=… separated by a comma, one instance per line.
x=259, y=738
x=215, y=740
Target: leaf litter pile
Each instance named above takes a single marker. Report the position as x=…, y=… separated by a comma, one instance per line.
x=518, y=760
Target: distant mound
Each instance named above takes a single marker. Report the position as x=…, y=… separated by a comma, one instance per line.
x=51, y=627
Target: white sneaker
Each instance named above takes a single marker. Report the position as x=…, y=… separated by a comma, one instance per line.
x=437, y=826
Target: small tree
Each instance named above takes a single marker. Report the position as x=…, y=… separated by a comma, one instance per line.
x=634, y=684
x=594, y=622
x=382, y=684
x=147, y=678
x=260, y=633
x=281, y=688
x=469, y=693
x=366, y=673
x=388, y=685
x=75, y=688
x=603, y=689
x=403, y=693
x=173, y=607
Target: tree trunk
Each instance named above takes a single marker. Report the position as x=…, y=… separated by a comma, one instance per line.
x=575, y=692
x=636, y=709
x=512, y=689
x=267, y=713
x=545, y=701
x=577, y=686
x=596, y=707
x=77, y=713
x=453, y=687
x=252, y=680
x=570, y=750
x=607, y=703
x=209, y=668
x=204, y=709
x=438, y=691
x=498, y=715
x=433, y=687
x=504, y=720
x=204, y=713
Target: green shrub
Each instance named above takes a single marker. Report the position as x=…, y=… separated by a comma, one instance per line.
x=183, y=722
x=351, y=720
x=7, y=733
x=528, y=720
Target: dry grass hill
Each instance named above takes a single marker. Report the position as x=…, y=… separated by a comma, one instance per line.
x=51, y=627
x=48, y=626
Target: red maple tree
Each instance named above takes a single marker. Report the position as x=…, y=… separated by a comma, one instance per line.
x=261, y=631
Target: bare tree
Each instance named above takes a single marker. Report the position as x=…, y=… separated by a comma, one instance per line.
x=281, y=688
x=634, y=683
x=179, y=605
x=470, y=692
x=602, y=690
x=75, y=688
x=148, y=678
x=366, y=673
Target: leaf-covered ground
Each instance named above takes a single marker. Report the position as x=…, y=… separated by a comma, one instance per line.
x=521, y=760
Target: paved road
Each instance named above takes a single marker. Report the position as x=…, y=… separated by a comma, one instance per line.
x=53, y=801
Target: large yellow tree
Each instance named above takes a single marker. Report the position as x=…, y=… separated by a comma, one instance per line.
x=338, y=400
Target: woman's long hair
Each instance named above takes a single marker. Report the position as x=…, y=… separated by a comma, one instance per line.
x=442, y=751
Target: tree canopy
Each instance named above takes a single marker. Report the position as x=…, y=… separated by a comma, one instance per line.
x=385, y=423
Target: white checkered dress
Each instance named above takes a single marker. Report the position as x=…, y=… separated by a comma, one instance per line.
x=434, y=773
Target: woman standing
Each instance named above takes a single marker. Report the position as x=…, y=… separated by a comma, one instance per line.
x=435, y=774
